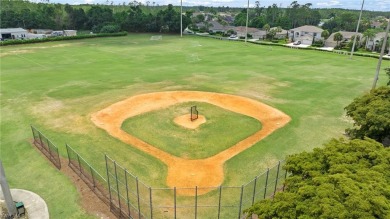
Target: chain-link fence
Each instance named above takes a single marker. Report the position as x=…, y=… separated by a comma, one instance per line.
x=128, y=197
x=96, y=182
x=46, y=147
x=132, y=198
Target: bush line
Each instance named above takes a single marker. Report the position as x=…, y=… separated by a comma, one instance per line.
x=49, y=39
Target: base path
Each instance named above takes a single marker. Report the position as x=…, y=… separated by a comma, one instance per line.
x=182, y=172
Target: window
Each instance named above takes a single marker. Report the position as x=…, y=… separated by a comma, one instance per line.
x=315, y=34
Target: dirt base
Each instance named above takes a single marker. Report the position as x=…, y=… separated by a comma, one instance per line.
x=185, y=121
x=183, y=172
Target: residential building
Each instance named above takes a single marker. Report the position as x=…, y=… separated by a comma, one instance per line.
x=13, y=33
x=305, y=34
x=373, y=44
x=347, y=37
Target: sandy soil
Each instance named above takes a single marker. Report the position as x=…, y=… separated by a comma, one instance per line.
x=185, y=121
x=186, y=173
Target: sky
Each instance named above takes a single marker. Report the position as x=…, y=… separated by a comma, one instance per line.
x=372, y=5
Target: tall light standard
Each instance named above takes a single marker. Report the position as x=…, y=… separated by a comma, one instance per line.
x=181, y=18
x=247, y=18
x=378, y=67
x=357, y=31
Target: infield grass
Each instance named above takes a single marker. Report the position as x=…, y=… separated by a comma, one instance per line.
x=223, y=129
x=57, y=86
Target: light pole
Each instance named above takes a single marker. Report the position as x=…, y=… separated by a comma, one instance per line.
x=357, y=31
x=378, y=67
x=181, y=18
x=247, y=18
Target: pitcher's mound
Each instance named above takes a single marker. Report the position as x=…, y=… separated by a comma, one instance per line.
x=185, y=121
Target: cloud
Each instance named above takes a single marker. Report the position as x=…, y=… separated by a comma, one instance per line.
x=331, y=3
x=88, y=1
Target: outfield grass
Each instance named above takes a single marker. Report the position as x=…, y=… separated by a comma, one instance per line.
x=222, y=130
x=57, y=85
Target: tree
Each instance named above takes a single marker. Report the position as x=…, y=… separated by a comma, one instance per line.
x=371, y=115
x=266, y=27
x=325, y=34
x=369, y=34
x=338, y=37
x=344, y=179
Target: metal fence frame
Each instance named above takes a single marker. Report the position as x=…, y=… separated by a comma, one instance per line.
x=46, y=147
x=131, y=198
x=128, y=197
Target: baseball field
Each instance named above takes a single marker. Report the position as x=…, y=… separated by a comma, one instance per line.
x=84, y=93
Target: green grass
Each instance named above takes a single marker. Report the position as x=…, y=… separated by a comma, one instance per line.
x=222, y=130
x=57, y=86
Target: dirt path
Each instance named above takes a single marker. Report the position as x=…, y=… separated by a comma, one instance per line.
x=183, y=172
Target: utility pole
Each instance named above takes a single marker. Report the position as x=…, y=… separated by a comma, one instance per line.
x=247, y=18
x=181, y=18
x=357, y=31
x=7, y=193
x=378, y=67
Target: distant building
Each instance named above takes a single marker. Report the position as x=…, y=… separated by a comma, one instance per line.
x=13, y=33
x=305, y=34
x=347, y=37
x=70, y=32
x=373, y=44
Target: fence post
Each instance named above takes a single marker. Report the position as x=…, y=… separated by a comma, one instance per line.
x=32, y=129
x=151, y=206
x=254, y=191
x=219, y=201
x=284, y=183
x=108, y=179
x=48, y=147
x=127, y=194
x=78, y=158
x=139, y=206
x=239, y=211
x=67, y=151
x=196, y=201
x=266, y=183
x=93, y=178
x=58, y=158
x=40, y=139
x=174, y=201
x=117, y=189
x=276, y=181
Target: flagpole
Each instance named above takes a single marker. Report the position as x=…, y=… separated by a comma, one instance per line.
x=357, y=30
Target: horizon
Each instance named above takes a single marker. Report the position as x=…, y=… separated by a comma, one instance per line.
x=373, y=5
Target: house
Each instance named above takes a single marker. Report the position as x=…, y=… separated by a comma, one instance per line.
x=305, y=34
x=347, y=37
x=35, y=36
x=373, y=44
x=280, y=35
x=256, y=33
x=70, y=32
x=41, y=31
x=217, y=27
x=12, y=33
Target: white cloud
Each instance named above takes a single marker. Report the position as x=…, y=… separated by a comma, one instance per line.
x=88, y=1
x=331, y=3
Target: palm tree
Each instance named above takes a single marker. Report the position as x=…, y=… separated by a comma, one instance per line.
x=369, y=34
x=325, y=34
x=266, y=27
x=338, y=37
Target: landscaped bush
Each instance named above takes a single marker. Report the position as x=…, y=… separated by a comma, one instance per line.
x=49, y=39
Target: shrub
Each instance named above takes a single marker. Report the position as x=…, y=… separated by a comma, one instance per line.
x=49, y=39
x=110, y=29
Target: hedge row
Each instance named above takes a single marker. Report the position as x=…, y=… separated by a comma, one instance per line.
x=49, y=39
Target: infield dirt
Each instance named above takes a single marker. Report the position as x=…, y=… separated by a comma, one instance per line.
x=184, y=173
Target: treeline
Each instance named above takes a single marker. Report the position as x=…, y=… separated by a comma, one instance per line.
x=296, y=15
x=97, y=18
x=151, y=17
